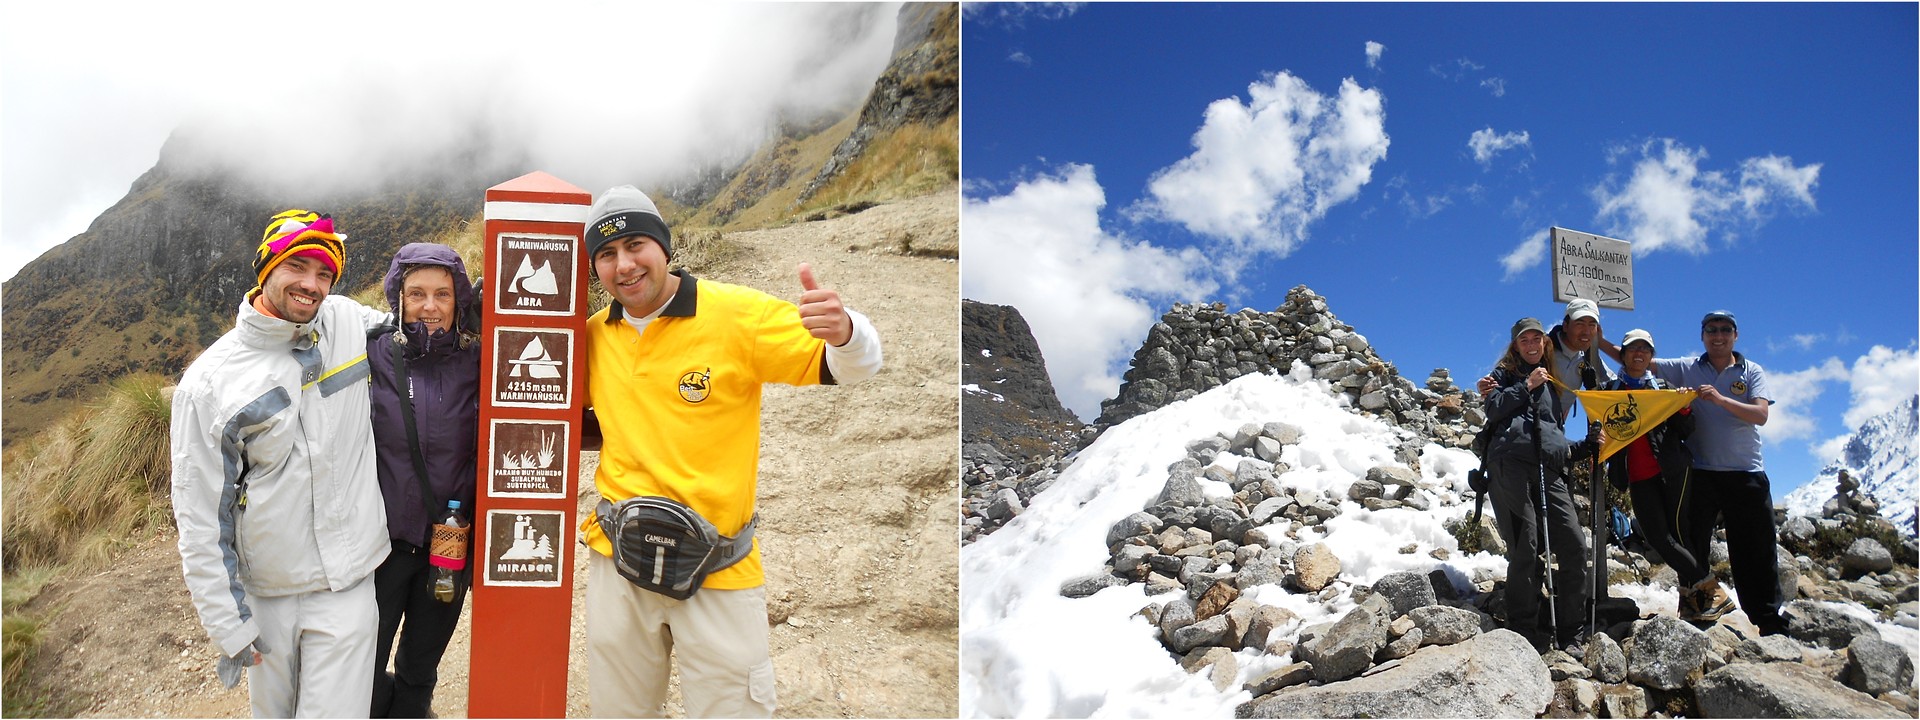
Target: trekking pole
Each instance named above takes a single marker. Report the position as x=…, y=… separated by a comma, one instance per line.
x=1540, y=529
x=1601, y=530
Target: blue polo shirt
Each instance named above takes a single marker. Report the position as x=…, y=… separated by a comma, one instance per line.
x=1720, y=441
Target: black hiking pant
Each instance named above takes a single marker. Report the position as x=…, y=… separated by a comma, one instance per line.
x=1657, y=504
x=1745, y=501
x=403, y=589
x=1514, y=495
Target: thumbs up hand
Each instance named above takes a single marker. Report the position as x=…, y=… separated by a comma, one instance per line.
x=821, y=311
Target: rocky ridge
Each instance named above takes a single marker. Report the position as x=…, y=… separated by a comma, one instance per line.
x=1418, y=644
x=1015, y=435
x=1880, y=459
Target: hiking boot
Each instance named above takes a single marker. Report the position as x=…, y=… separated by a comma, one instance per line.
x=1711, y=601
x=1689, y=604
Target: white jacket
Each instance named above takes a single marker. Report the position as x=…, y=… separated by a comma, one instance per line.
x=274, y=487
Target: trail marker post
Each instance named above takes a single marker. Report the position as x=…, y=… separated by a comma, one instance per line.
x=1592, y=267
x=532, y=390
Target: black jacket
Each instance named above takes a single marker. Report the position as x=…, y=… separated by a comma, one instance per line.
x=1513, y=411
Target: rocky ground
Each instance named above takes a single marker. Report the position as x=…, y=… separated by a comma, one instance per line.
x=858, y=496
x=1427, y=644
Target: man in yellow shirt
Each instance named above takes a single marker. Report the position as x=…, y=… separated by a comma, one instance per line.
x=674, y=373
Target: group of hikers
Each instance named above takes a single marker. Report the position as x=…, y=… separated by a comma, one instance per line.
x=1699, y=468
x=313, y=443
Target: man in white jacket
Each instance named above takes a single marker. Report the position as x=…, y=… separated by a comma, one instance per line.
x=274, y=487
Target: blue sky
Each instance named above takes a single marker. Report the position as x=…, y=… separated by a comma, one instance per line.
x=1407, y=160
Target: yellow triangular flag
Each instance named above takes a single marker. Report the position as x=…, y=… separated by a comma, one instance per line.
x=1625, y=415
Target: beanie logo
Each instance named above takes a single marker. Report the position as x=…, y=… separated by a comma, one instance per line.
x=695, y=386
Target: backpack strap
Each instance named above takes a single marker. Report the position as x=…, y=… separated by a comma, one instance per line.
x=405, y=385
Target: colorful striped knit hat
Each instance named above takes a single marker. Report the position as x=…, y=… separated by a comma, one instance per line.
x=299, y=232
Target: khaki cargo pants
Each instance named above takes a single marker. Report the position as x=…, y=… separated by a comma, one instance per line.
x=719, y=637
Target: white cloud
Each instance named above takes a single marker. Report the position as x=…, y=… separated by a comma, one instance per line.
x=1486, y=143
x=1790, y=416
x=1086, y=292
x=1263, y=171
x=1529, y=253
x=344, y=92
x=1806, y=341
x=1021, y=58
x=1016, y=13
x=1497, y=86
x=1671, y=203
x=1881, y=379
x=1374, y=50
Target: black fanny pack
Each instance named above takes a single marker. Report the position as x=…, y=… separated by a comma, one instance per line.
x=666, y=547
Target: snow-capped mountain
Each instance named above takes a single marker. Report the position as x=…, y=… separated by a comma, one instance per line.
x=1881, y=455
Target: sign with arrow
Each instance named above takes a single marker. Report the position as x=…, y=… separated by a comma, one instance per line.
x=1592, y=267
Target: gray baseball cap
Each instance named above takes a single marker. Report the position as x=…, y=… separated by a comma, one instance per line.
x=1637, y=335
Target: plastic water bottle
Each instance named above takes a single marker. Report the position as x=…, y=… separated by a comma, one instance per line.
x=447, y=552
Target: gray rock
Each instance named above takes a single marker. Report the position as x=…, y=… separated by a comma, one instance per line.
x=1769, y=648
x=1243, y=438
x=1875, y=666
x=1573, y=698
x=1624, y=701
x=1866, y=555
x=1267, y=448
x=1314, y=566
x=1561, y=666
x=1136, y=524
x=1263, y=513
x=1786, y=574
x=1494, y=675
x=1407, y=590
x=1181, y=489
x=1363, y=489
x=1175, y=614
x=1287, y=676
x=1799, y=528
x=1665, y=651
x=1820, y=624
x=1218, y=474
x=1089, y=584
x=1220, y=663
x=1348, y=647
x=1782, y=690
x=1283, y=433
x=1262, y=570
x=1005, y=506
x=1207, y=447
x=1265, y=620
x=1401, y=646
x=1416, y=500
x=1605, y=659
x=1211, y=631
x=1131, y=558
x=1393, y=475
x=1445, y=625
x=1250, y=472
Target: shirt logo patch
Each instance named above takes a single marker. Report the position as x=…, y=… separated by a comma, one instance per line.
x=694, y=386
x=1739, y=387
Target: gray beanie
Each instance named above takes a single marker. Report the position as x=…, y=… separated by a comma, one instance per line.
x=622, y=211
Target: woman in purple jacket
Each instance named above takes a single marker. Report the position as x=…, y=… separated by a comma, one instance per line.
x=437, y=350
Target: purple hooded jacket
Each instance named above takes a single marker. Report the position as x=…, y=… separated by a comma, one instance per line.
x=445, y=375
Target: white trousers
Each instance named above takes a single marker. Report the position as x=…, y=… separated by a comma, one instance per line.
x=319, y=660
x=719, y=638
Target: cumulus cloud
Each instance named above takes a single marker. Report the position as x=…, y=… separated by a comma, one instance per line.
x=1485, y=143
x=1088, y=293
x=1021, y=57
x=1529, y=253
x=1790, y=416
x=1262, y=171
x=1374, y=50
x=1497, y=86
x=1881, y=380
x=1670, y=202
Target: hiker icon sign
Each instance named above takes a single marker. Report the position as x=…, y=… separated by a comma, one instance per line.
x=536, y=274
x=533, y=368
x=526, y=547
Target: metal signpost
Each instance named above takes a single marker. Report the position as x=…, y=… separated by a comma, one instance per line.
x=1592, y=267
x=532, y=387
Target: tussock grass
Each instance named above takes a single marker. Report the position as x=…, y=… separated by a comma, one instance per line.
x=81, y=490
x=911, y=161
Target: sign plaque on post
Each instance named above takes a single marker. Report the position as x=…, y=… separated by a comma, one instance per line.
x=1592, y=267
x=532, y=387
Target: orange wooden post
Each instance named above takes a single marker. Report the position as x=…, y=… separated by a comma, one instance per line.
x=532, y=389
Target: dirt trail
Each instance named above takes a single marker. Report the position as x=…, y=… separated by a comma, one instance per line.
x=858, y=495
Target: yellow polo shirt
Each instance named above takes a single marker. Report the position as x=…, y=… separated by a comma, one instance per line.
x=679, y=405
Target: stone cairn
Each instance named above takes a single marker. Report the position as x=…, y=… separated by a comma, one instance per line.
x=1423, y=644
x=1195, y=348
